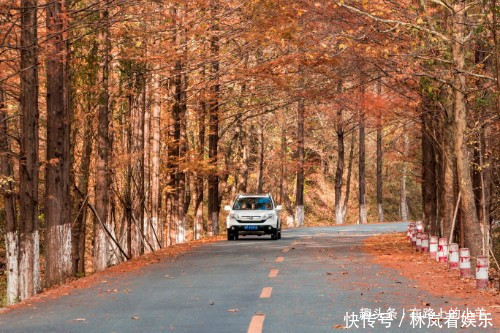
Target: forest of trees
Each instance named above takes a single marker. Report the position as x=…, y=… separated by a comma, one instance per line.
x=126, y=124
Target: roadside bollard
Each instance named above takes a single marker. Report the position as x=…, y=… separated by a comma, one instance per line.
x=433, y=247
x=482, y=266
x=425, y=242
x=464, y=264
x=418, y=242
x=453, y=257
x=420, y=226
x=411, y=226
x=442, y=250
x=414, y=237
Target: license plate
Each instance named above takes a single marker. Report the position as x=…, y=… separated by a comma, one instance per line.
x=251, y=227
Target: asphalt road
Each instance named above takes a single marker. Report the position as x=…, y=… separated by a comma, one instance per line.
x=305, y=282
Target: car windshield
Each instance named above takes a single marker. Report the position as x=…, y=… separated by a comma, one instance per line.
x=253, y=203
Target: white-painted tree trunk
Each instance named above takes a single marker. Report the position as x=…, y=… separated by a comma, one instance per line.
x=198, y=222
x=37, y=279
x=12, y=247
x=29, y=265
x=215, y=223
x=339, y=214
x=299, y=216
x=114, y=255
x=363, y=214
x=181, y=229
x=380, y=213
x=60, y=236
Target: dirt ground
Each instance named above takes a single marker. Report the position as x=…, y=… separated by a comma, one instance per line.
x=393, y=250
x=129, y=266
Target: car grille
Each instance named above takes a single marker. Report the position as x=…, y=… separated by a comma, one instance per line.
x=249, y=219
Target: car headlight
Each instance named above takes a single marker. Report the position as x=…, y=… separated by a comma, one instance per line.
x=268, y=216
x=234, y=216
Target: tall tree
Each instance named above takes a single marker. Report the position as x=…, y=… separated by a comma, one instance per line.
x=103, y=145
x=361, y=170
x=339, y=173
x=403, y=196
x=29, y=263
x=260, y=171
x=8, y=192
x=58, y=263
x=380, y=197
x=213, y=135
x=299, y=189
x=155, y=161
x=458, y=44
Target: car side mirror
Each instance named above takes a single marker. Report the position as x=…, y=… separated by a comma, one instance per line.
x=227, y=208
x=279, y=208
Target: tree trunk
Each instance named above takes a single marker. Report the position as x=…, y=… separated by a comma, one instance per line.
x=472, y=226
x=137, y=191
x=102, y=183
x=447, y=179
x=9, y=198
x=79, y=228
x=299, y=189
x=260, y=139
x=245, y=159
x=361, y=169
x=380, y=206
x=213, y=136
x=29, y=263
x=198, y=208
x=58, y=263
x=403, y=204
x=348, y=179
x=183, y=147
x=146, y=215
x=339, y=173
x=282, y=158
x=429, y=186
x=155, y=161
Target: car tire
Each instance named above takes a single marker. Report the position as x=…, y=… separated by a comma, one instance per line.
x=230, y=237
x=236, y=236
x=275, y=235
x=279, y=234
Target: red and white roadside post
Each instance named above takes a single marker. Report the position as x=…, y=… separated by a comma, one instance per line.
x=418, y=243
x=433, y=247
x=424, y=242
x=453, y=257
x=482, y=266
x=414, y=237
x=464, y=264
x=420, y=226
x=411, y=226
x=442, y=250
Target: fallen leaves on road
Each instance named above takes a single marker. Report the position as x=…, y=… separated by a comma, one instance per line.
x=135, y=318
x=79, y=319
x=233, y=310
x=394, y=251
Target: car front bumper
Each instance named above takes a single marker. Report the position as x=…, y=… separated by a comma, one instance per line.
x=251, y=229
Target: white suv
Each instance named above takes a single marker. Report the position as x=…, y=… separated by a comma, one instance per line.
x=253, y=214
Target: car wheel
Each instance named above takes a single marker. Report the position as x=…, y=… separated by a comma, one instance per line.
x=279, y=234
x=236, y=236
x=230, y=237
x=275, y=235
